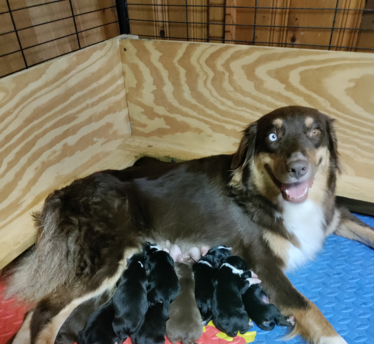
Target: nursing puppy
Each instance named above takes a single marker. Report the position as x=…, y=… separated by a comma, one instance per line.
x=184, y=324
x=153, y=329
x=99, y=329
x=130, y=300
x=264, y=314
x=229, y=314
x=68, y=333
x=204, y=272
x=163, y=283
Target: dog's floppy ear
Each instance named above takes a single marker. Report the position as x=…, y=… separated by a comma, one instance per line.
x=333, y=143
x=246, y=147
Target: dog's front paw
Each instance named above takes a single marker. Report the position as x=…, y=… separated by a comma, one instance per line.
x=332, y=340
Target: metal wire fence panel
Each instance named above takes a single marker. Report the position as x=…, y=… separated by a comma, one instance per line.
x=320, y=24
x=34, y=31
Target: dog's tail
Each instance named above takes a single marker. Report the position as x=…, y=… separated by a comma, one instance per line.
x=47, y=265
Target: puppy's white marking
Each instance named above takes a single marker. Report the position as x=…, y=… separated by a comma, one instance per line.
x=233, y=268
x=306, y=221
x=224, y=248
x=204, y=262
x=156, y=247
x=141, y=264
x=332, y=340
x=253, y=281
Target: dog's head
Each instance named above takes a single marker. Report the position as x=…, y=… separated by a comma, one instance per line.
x=285, y=152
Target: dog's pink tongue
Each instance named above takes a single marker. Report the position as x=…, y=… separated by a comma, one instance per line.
x=296, y=190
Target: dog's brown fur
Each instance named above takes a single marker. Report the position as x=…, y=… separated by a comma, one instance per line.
x=89, y=228
x=184, y=324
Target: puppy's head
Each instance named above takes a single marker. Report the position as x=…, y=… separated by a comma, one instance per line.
x=219, y=254
x=283, y=152
x=236, y=262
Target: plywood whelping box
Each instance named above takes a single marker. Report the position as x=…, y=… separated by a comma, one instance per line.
x=106, y=105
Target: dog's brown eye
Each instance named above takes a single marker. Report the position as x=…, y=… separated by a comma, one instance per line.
x=314, y=132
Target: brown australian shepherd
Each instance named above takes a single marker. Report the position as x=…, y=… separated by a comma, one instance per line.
x=273, y=202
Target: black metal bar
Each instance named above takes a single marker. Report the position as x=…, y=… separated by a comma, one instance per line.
x=260, y=8
x=75, y=24
x=56, y=20
x=247, y=42
x=254, y=26
x=333, y=23
x=6, y=33
x=37, y=5
x=49, y=22
x=123, y=17
x=51, y=40
x=257, y=25
x=224, y=22
x=15, y=28
x=13, y=52
x=186, y=19
x=208, y=20
x=101, y=9
x=95, y=27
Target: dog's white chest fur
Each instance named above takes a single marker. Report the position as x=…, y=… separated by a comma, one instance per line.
x=306, y=221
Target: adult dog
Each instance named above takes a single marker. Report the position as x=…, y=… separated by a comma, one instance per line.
x=272, y=201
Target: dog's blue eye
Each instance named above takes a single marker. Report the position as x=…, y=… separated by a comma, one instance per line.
x=272, y=137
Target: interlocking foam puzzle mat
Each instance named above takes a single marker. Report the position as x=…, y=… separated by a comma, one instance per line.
x=340, y=281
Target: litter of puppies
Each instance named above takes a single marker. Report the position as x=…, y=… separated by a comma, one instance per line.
x=156, y=297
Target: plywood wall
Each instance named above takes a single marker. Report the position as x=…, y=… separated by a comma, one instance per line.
x=46, y=29
x=59, y=121
x=198, y=97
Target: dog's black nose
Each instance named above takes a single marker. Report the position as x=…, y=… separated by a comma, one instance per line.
x=297, y=168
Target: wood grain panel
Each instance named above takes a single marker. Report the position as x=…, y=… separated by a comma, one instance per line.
x=59, y=121
x=50, y=50
x=93, y=19
x=216, y=19
x=17, y=4
x=83, y=6
x=3, y=6
x=6, y=23
x=11, y=63
x=98, y=34
x=41, y=14
x=47, y=32
x=8, y=43
x=201, y=95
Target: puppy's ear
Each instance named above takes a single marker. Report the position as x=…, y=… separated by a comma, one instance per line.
x=333, y=144
x=246, y=147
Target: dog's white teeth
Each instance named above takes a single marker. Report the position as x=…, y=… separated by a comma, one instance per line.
x=287, y=192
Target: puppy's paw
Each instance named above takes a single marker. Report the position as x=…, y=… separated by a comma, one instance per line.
x=332, y=340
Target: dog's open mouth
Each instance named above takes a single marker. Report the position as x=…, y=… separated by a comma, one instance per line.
x=296, y=192
x=292, y=192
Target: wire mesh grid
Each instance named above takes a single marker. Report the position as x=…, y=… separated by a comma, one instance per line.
x=15, y=34
x=345, y=25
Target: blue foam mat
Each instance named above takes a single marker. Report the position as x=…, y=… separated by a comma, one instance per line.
x=340, y=281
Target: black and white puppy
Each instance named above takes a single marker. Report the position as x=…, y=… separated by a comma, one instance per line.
x=204, y=272
x=229, y=315
x=153, y=329
x=130, y=300
x=163, y=283
x=68, y=333
x=263, y=313
x=99, y=329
